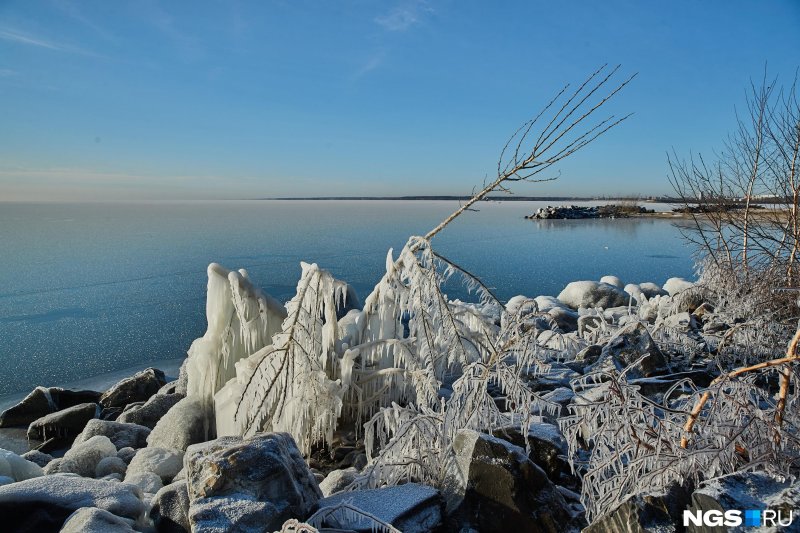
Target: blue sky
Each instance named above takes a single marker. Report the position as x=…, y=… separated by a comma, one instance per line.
x=137, y=100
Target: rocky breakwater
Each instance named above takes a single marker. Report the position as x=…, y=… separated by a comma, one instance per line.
x=575, y=212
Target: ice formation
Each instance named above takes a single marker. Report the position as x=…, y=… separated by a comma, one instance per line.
x=15, y=467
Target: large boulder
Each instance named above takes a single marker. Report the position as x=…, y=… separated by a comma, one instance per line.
x=235, y=481
x=498, y=488
x=121, y=434
x=15, y=467
x=43, y=401
x=66, y=424
x=94, y=520
x=83, y=458
x=546, y=444
x=612, y=280
x=630, y=344
x=410, y=508
x=674, y=286
x=137, y=388
x=591, y=294
x=182, y=426
x=646, y=513
x=149, y=413
x=170, y=511
x=160, y=461
x=35, y=456
x=44, y=503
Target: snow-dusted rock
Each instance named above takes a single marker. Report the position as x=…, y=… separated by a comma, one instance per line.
x=93, y=520
x=237, y=512
x=182, y=426
x=17, y=468
x=674, y=286
x=162, y=462
x=83, y=458
x=592, y=294
x=66, y=424
x=121, y=434
x=651, y=289
x=500, y=489
x=148, y=482
x=137, y=388
x=170, y=512
x=44, y=503
x=636, y=291
x=612, y=280
x=151, y=411
x=645, y=512
x=110, y=465
x=337, y=480
x=266, y=469
x=410, y=508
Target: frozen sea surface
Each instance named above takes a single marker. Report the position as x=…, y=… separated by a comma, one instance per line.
x=91, y=289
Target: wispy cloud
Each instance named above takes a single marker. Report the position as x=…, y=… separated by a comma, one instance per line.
x=405, y=15
x=19, y=37
x=372, y=63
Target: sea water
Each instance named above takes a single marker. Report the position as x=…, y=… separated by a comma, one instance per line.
x=87, y=289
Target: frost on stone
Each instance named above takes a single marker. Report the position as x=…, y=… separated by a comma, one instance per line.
x=16, y=468
x=164, y=463
x=83, y=458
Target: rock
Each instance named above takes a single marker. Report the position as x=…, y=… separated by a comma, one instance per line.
x=126, y=454
x=159, y=461
x=337, y=480
x=148, y=482
x=628, y=345
x=123, y=435
x=52, y=467
x=17, y=468
x=170, y=512
x=151, y=412
x=410, y=508
x=66, y=424
x=500, y=489
x=612, y=280
x=182, y=426
x=680, y=321
x=43, y=401
x=93, y=520
x=566, y=319
x=44, y=503
x=182, y=386
x=137, y=388
x=83, y=458
x=110, y=465
x=646, y=513
x=750, y=490
x=674, y=286
x=267, y=469
x=547, y=445
x=591, y=294
x=590, y=354
x=636, y=292
x=35, y=456
x=651, y=290
x=237, y=512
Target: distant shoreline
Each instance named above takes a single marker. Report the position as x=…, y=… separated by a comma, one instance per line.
x=656, y=200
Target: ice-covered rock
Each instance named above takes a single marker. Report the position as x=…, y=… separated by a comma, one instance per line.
x=151, y=411
x=181, y=426
x=248, y=318
x=123, y=435
x=410, y=508
x=94, y=520
x=137, y=388
x=499, y=489
x=266, y=469
x=646, y=512
x=35, y=456
x=126, y=454
x=148, y=482
x=170, y=511
x=592, y=294
x=547, y=446
x=636, y=292
x=235, y=512
x=630, y=344
x=43, y=401
x=337, y=480
x=83, y=458
x=44, y=503
x=651, y=289
x=163, y=462
x=110, y=465
x=612, y=280
x=65, y=424
x=674, y=286
x=17, y=468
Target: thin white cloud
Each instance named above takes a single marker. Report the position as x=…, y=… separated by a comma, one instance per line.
x=16, y=36
x=372, y=63
x=403, y=16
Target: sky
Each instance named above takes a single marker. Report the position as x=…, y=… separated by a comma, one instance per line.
x=149, y=100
